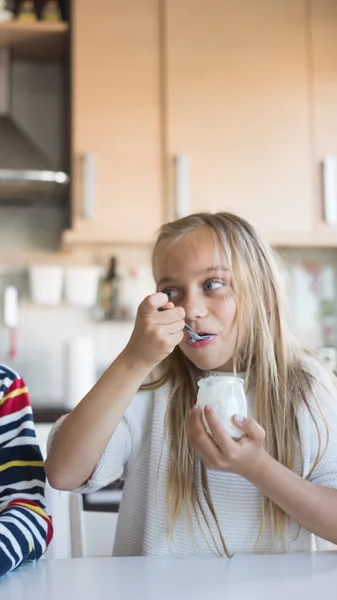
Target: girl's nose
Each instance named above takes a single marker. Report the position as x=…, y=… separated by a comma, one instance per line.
x=195, y=307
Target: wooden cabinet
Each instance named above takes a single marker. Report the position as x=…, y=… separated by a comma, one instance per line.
x=323, y=33
x=115, y=121
x=246, y=90
x=237, y=104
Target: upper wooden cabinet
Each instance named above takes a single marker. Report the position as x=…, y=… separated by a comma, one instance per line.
x=324, y=76
x=238, y=107
x=116, y=136
x=246, y=90
x=323, y=33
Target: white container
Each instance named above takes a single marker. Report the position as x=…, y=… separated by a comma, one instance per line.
x=46, y=284
x=81, y=369
x=225, y=394
x=81, y=285
x=11, y=306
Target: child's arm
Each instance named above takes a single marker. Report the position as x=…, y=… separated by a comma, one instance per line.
x=25, y=528
x=86, y=431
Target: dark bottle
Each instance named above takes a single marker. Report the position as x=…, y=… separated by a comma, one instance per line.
x=109, y=291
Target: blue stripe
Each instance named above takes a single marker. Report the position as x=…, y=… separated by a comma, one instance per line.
x=7, y=543
x=31, y=452
x=5, y=563
x=31, y=517
x=6, y=373
x=24, y=433
x=14, y=474
x=16, y=422
x=8, y=490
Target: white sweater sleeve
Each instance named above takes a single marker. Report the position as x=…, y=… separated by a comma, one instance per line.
x=323, y=438
x=112, y=462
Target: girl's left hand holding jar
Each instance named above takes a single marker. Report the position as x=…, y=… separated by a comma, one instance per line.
x=246, y=457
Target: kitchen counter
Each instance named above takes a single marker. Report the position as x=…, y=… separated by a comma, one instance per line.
x=257, y=577
x=48, y=414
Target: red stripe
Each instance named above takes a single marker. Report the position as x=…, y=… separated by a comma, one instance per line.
x=50, y=531
x=26, y=501
x=13, y=405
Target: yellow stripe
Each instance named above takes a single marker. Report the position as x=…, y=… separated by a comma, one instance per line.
x=22, y=463
x=34, y=508
x=13, y=394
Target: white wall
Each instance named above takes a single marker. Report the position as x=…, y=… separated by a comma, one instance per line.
x=43, y=336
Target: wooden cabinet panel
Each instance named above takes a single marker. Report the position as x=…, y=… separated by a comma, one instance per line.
x=116, y=116
x=237, y=99
x=323, y=20
x=247, y=90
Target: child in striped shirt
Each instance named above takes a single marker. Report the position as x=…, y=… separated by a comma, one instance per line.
x=25, y=527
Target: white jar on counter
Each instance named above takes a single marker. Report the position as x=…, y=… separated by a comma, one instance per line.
x=81, y=284
x=46, y=284
x=226, y=395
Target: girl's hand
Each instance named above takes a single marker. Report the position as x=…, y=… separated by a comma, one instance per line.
x=245, y=457
x=156, y=333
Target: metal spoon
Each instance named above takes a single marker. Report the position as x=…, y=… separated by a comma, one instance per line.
x=194, y=336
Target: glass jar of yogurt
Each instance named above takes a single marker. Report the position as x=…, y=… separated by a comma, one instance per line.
x=226, y=395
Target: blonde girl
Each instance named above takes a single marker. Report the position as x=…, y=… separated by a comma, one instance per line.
x=187, y=492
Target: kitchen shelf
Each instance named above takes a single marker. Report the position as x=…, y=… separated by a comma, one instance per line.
x=324, y=236
x=40, y=41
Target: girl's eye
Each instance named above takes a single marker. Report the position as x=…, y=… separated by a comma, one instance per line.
x=213, y=285
x=171, y=293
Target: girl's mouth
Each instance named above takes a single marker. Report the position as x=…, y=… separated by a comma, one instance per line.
x=204, y=333
x=202, y=343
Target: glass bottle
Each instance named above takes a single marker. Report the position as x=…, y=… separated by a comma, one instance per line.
x=51, y=11
x=26, y=11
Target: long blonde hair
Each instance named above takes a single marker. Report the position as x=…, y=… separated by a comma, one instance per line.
x=268, y=353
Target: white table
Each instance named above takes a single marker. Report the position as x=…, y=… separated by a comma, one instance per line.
x=250, y=577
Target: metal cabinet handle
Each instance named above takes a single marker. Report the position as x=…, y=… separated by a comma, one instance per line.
x=330, y=188
x=89, y=185
x=182, y=186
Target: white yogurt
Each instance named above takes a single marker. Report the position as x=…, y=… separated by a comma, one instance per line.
x=225, y=394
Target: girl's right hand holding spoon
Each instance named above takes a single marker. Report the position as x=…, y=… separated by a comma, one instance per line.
x=156, y=333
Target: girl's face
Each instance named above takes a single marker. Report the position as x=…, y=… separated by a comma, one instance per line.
x=195, y=275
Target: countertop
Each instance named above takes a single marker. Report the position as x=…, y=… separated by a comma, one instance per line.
x=48, y=414
x=252, y=577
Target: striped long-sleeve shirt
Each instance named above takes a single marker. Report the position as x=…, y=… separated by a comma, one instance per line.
x=25, y=527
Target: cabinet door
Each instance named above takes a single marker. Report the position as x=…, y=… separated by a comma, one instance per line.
x=116, y=119
x=238, y=107
x=324, y=77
